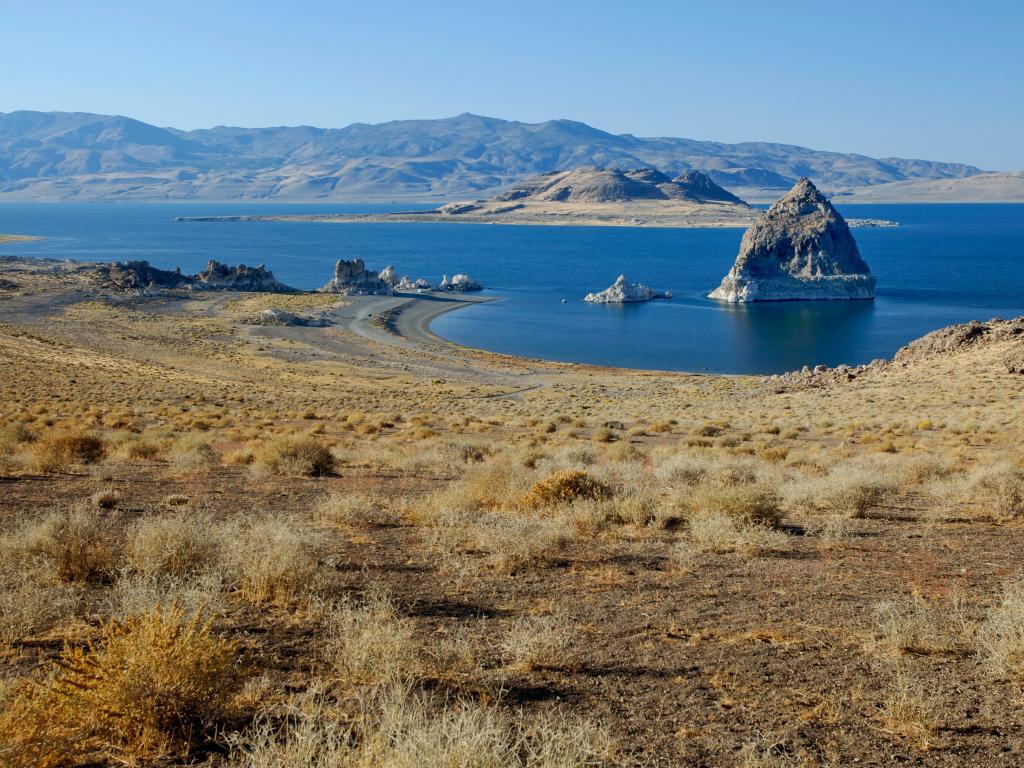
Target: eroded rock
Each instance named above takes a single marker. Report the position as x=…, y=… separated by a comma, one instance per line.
x=622, y=291
x=800, y=249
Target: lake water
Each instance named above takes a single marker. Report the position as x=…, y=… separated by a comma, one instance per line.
x=946, y=264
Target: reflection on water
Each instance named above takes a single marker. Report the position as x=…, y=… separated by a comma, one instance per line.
x=787, y=335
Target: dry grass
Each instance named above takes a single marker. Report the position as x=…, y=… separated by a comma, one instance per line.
x=721, y=533
x=512, y=542
x=29, y=607
x=352, y=510
x=76, y=545
x=745, y=505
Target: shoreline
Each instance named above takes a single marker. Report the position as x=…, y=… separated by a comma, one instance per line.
x=404, y=319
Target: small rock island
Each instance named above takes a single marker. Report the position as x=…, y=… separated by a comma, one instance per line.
x=623, y=292
x=801, y=249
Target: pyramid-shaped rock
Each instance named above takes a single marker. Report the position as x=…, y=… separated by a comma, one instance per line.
x=800, y=249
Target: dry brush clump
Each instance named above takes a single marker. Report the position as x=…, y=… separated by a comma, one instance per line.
x=30, y=603
x=368, y=643
x=564, y=487
x=156, y=685
x=351, y=509
x=77, y=545
x=271, y=559
x=175, y=545
x=1000, y=638
x=61, y=449
x=294, y=456
x=395, y=726
x=533, y=642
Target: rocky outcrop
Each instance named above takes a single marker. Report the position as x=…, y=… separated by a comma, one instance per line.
x=352, y=278
x=801, y=249
x=221, y=277
x=459, y=284
x=136, y=276
x=946, y=342
x=610, y=185
x=622, y=291
x=955, y=339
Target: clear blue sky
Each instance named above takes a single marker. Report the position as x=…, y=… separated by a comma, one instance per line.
x=937, y=80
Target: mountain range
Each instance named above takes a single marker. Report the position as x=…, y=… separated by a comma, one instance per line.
x=49, y=156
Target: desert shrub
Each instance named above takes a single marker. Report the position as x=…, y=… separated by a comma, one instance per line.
x=107, y=498
x=351, y=509
x=908, y=710
x=1000, y=488
x=533, y=642
x=492, y=485
x=848, y=489
x=513, y=542
x=564, y=488
x=296, y=456
x=135, y=594
x=271, y=559
x=603, y=435
x=13, y=437
x=369, y=643
x=1000, y=637
x=396, y=727
x=740, y=503
x=718, y=532
x=76, y=545
x=172, y=545
x=60, y=449
x=684, y=470
x=923, y=628
x=156, y=685
x=193, y=454
x=28, y=606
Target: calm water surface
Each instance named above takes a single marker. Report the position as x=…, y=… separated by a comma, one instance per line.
x=946, y=264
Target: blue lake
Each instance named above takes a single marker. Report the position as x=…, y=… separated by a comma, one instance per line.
x=946, y=264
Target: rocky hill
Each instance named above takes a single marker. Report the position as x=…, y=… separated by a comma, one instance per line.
x=611, y=185
x=81, y=156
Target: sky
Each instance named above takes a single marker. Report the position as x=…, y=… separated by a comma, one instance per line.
x=935, y=80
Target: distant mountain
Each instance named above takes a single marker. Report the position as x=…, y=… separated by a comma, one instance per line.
x=68, y=156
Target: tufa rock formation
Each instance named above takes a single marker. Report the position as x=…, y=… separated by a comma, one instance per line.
x=459, y=284
x=352, y=278
x=800, y=249
x=622, y=291
x=137, y=276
